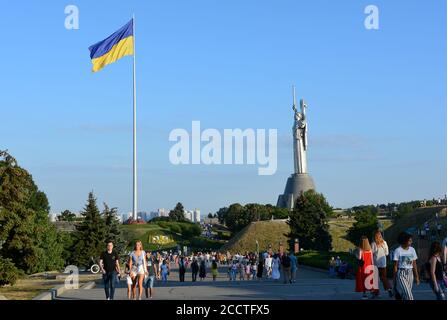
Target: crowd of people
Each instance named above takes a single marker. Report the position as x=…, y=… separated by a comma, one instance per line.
x=143, y=268
x=372, y=266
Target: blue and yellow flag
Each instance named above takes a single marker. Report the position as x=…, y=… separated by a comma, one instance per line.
x=113, y=48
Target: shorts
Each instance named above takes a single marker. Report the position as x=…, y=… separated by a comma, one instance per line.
x=139, y=270
x=129, y=280
x=149, y=282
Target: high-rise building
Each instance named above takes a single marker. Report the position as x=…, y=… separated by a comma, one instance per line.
x=188, y=215
x=143, y=215
x=197, y=215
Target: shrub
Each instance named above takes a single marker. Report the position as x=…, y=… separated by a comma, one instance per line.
x=8, y=272
x=175, y=228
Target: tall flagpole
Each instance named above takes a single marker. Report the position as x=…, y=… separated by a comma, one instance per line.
x=134, y=207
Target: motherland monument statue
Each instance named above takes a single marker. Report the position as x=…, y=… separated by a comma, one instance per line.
x=300, y=180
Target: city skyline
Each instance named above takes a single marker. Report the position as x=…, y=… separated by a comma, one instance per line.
x=229, y=65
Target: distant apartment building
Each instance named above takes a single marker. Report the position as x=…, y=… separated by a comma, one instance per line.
x=197, y=215
x=192, y=215
x=143, y=215
x=188, y=215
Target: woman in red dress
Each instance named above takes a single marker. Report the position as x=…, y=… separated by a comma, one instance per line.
x=364, y=280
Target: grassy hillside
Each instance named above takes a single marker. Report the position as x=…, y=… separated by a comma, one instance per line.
x=266, y=232
x=145, y=232
x=338, y=229
x=167, y=235
x=416, y=219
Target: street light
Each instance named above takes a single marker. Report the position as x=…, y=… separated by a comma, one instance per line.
x=257, y=248
x=297, y=246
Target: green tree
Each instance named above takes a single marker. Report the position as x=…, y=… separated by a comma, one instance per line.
x=365, y=224
x=8, y=272
x=28, y=238
x=90, y=234
x=66, y=215
x=113, y=232
x=308, y=222
x=178, y=213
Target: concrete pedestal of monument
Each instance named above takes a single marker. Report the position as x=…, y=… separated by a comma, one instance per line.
x=296, y=183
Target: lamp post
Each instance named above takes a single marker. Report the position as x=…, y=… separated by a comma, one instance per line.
x=297, y=246
x=257, y=248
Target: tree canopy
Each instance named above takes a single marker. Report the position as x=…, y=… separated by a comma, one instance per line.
x=237, y=216
x=308, y=222
x=28, y=239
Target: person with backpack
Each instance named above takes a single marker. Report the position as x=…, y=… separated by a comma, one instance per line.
x=405, y=268
x=435, y=270
x=194, y=269
x=286, y=265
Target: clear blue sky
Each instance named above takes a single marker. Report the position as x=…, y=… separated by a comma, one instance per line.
x=377, y=99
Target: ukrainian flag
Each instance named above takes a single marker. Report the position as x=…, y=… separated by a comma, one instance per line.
x=113, y=48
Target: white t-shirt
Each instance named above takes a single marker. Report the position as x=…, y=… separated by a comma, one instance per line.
x=405, y=258
x=268, y=262
x=444, y=243
x=380, y=254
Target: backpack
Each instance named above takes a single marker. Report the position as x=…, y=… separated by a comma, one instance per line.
x=286, y=262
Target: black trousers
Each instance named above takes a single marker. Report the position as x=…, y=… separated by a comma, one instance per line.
x=194, y=276
x=182, y=275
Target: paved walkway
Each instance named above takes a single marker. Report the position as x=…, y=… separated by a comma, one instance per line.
x=310, y=285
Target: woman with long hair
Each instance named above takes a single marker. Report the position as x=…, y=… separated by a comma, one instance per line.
x=380, y=252
x=363, y=280
x=436, y=271
x=138, y=267
x=405, y=267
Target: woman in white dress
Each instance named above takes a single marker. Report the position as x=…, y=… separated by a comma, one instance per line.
x=275, y=268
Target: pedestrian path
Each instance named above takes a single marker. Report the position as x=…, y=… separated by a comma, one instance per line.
x=310, y=285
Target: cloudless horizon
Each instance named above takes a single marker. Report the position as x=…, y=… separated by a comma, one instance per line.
x=377, y=98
